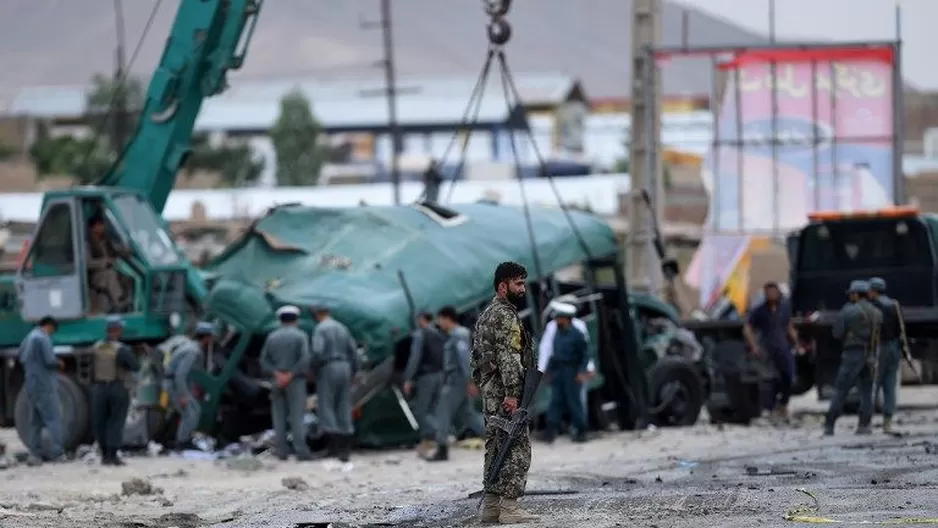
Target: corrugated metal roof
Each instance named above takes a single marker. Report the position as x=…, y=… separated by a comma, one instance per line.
x=599, y=192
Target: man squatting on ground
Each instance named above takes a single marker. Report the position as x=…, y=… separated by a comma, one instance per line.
x=183, y=354
x=501, y=351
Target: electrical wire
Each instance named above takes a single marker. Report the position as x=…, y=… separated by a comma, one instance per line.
x=118, y=88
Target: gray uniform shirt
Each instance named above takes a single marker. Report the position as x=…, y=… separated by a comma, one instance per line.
x=856, y=323
x=333, y=342
x=286, y=349
x=37, y=356
x=456, y=354
x=184, y=358
x=416, y=351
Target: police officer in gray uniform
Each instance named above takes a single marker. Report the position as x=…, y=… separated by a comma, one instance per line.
x=39, y=363
x=424, y=372
x=114, y=365
x=857, y=326
x=335, y=363
x=285, y=357
x=889, y=349
x=184, y=356
x=458, y=390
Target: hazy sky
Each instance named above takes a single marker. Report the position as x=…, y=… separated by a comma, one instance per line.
x=845, y=20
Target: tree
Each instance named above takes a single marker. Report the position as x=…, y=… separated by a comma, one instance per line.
x=234, y=161
x=296, y=136
x=101, y=109
x=85, y=159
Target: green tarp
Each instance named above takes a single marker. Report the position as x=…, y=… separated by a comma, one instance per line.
x=349, y=259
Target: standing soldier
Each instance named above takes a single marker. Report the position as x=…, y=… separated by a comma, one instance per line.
x=568, y=370
x=889, y=355
x=424, y=372
x=183, y=357
x=285, y=356
x=114, y=365
x=335, y=362
x=857, y=326
x=501, y=352
x=458, y=390
x=39, y=365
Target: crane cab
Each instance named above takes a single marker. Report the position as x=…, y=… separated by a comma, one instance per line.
x=101, y=251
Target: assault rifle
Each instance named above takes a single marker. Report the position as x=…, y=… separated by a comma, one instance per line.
x=513, y=426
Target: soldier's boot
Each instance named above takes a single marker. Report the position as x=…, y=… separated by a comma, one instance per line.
x=345, y=448
x=491, y=509
x=828, y=429
x=332, y=446
x=887, y=425
x=864, y=429
x=512, y=513
x=116, y=460
x=441, y=454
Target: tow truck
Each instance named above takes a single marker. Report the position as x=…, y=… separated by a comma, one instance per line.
x=898, y=244
x=208, y=39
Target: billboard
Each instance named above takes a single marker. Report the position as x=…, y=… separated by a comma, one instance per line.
x=797, y=130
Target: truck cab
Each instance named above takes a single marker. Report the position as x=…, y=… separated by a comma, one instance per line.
x=54, y=278
x=896, y=244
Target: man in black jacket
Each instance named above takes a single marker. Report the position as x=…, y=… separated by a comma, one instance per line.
x=424, y=373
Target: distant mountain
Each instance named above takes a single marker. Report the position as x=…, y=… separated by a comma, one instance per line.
x=66, y=41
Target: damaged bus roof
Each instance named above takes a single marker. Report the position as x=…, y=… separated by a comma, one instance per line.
x=352, y=260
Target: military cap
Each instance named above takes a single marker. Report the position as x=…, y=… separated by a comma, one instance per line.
x=288, y=310
x=114, y=322
x=563, y=309
x=204, y=328
x=858, y=286
x=878, y=285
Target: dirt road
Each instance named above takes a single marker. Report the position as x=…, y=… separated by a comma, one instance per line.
x=699, y=476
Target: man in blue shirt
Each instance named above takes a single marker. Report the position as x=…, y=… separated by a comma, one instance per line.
x=769, y=331
x=567, y=368
x=40, y=365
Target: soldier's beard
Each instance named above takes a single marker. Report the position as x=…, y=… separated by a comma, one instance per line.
x=515, y=298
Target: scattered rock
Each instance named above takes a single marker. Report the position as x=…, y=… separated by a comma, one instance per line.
x=295, y=484
x=138, y=486
x=244, y=463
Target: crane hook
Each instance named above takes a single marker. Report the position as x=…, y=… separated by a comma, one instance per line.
x=499, y=32
x=497, y=8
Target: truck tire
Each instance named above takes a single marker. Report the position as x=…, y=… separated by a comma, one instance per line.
x=75, y=412
x=677, y=392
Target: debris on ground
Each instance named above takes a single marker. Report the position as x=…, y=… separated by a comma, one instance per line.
x=139, y=486
x=294, y=484
x=244, y=463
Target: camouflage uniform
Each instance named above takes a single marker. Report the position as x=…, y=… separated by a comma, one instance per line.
x=501, y=351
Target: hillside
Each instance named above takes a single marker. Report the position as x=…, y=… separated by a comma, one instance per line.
x=66, y=41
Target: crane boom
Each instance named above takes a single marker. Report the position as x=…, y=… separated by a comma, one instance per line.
x=208, y=38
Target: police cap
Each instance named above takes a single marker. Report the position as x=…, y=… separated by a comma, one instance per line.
x=204, y=328
x=114, y=322
x=878, y=285
x=858, y=286
x=288, y=312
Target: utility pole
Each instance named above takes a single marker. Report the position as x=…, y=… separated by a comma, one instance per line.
x=644, y=154
x=390, y=92
x=119, y=84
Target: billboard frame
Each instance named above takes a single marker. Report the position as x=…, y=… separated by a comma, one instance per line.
x=651, y=79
